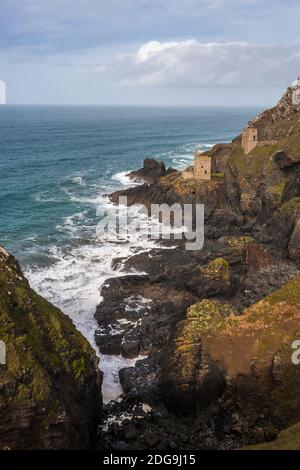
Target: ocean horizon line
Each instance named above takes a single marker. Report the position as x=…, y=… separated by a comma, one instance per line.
x=158, y=106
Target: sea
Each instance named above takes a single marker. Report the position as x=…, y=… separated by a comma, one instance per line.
x=58, y=163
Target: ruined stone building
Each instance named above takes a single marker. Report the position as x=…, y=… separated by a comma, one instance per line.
x=249, y=139
x=202, y=166
x=201, y=170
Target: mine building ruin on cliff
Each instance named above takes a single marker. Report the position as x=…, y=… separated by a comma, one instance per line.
x=202, y=166
x=249, y=139
x=201, y=171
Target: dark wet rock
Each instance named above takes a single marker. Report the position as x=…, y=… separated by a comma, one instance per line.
x=142, y=381
x=284, y=159
x=217, y=367
x=260, y=283
x=119, y=445
x=138, y=313
x=131, y=432
x=151, y=171
x=220, y=154
x=163, y=430
x=152, y=439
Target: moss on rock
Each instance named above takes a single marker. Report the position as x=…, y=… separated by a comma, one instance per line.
x=278, y=189
x=291, y=207
x=50, y=370
x=218, y=269
x=289, y=439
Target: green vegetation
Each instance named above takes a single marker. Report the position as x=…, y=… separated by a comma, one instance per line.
x=278, y=189
x=219, y=268
x=239, y=243
x=289, y=439
x=259, y=162
x=206, y=315
x=42, y=344
x=290, y=293
x=291, y=207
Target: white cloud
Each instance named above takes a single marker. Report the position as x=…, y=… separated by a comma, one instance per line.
x=151, y=49
x=191, y=63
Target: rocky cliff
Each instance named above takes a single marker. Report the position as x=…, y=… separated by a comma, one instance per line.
x=256, y=194
x=50, y=386
x=249, y=354
x=217, y=325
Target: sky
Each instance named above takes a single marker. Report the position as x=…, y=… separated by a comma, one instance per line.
x=148, y=52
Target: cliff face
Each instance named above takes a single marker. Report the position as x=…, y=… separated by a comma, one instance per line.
x=249, y=354
x=224, y=358
x=258, y=193
x=50, y=387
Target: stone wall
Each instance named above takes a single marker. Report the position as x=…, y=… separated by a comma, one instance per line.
x=188, y=174
x=202, y=167
x=249, y=139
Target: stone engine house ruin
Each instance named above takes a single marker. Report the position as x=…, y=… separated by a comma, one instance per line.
x=202, y=167
x=249, y=139
x=201, y=170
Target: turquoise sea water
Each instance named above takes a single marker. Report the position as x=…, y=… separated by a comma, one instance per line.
x=55, y=160
x=56, y=163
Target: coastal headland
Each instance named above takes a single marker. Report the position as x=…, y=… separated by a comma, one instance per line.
x=215, y=327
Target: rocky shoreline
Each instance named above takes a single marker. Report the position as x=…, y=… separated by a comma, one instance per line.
x=215, y=327
x=212, y=323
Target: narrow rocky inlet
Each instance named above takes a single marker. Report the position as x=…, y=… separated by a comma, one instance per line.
x=207, y=335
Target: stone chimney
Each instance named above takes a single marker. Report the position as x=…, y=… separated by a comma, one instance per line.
x=249, y=139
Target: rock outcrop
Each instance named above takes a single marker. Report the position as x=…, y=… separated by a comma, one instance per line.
x=151, y=171
x=50, y=386
x=217, y=325
x=250, y=354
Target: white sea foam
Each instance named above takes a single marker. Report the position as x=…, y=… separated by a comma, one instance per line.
x=123, y=178
x=184, y=155
x=79, y=180
x=111, y=388
x=78, y=271
x=70, y=223
x=73, y=282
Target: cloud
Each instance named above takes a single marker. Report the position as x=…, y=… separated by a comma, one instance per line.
x=69, y=25
x=190, y=63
